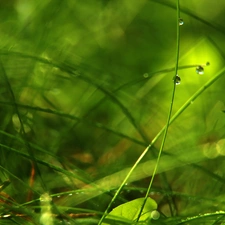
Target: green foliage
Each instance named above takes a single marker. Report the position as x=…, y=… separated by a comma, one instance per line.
x=130, y=211
x=84, y=100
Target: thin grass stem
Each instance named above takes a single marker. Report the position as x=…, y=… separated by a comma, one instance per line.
x=163, y=141
x=169, y=113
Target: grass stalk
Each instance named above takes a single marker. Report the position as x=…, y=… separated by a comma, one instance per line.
x=169, y=113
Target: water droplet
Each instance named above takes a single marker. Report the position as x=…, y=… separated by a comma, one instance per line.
x=177, y=80
x=155, y=215
x=145, y=75
x=181, y=22
x=7, y=215
x=200, y=70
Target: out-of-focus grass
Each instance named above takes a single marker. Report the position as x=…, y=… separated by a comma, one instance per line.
x=83, y=76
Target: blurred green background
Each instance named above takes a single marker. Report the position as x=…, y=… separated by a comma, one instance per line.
x=92, y=83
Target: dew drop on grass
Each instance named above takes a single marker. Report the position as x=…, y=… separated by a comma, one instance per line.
x=200, y=70
x=181, y=22
x=155, y=215
x=145, y=75
x=177, y=80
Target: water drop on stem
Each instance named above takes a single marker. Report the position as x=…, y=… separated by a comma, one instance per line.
x=181, y=22
x=200, y=70
x=177, y=80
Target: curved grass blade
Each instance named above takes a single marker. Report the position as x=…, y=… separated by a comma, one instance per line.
x=170, y=110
